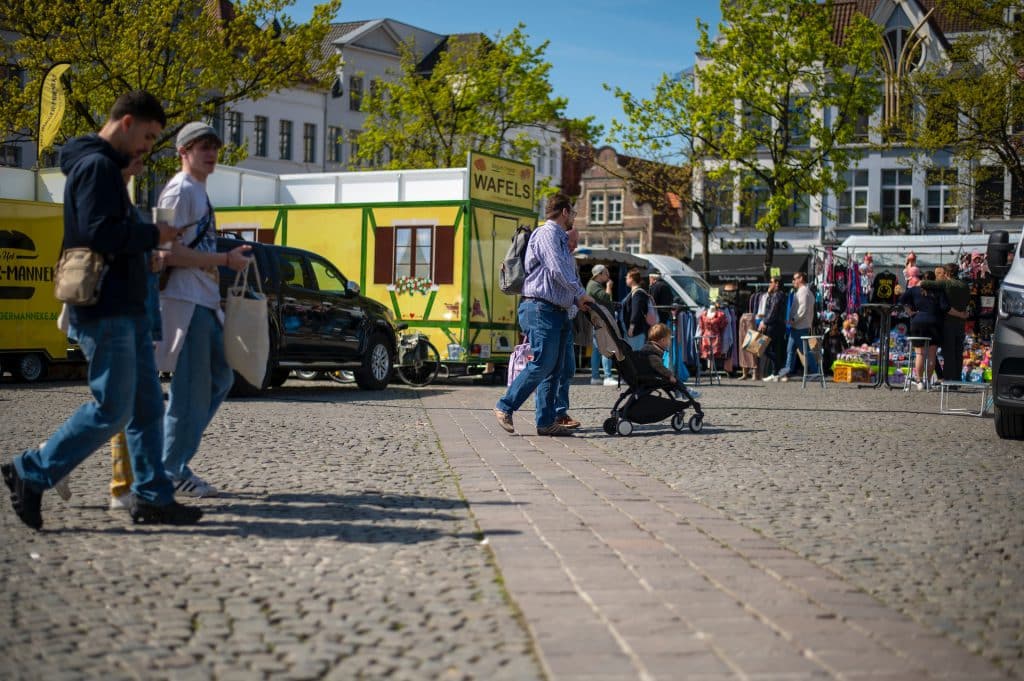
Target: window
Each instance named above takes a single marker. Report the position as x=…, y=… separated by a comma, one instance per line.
x=355, y=93
x=799, y=213
x=756, y=123
x=988, y=192
x=799, y=109
x=292, y=272
x=261, y=136
x=376, y=90
x=286, y=140
x=328, y=279
x=942, y=208
x=896, y=188
x=1016, y=197
x=862, y=129
x=718, y=202
x=597, y=215
x=309, y=142
x=853, y=201
x=334, y=144
x=753, y=203
x=353, y=149
x=615, y=207
x=553, y=163
x=234, y=128
x=413, y=252
x=542, y=154
x=10, y=155
x=632, y=245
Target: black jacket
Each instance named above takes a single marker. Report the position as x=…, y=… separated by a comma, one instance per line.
x=663, y=297
x=99, y=214
x=775, y=311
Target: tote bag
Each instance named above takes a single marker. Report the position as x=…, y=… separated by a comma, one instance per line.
x=755, y=342
x=246, y=327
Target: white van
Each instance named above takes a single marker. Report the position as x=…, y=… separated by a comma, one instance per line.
x=1008, y=339
x=687, y=284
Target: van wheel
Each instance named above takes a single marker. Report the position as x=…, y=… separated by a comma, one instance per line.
x=1009, y=423
x=376, y=369
x=30, y=368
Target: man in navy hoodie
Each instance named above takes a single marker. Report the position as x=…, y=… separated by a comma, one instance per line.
x=114, y=333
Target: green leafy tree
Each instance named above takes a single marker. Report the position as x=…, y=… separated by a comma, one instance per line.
x=776, y=103
x=972, y=102
x=479, y=95
x=188, y=56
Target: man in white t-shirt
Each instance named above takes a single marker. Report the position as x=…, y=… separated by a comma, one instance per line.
x=193, y=336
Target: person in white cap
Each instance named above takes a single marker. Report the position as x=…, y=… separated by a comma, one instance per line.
x=193, y=335
x=600, y=289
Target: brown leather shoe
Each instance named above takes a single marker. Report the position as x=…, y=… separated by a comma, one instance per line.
x=567, y=421
x=554, y=430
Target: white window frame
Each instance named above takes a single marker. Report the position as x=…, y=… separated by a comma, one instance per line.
x=613, y=202
x=596, y=213
x=857, y=196
x=940, y=188
x=898, y=207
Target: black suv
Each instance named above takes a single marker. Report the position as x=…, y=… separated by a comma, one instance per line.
x=318, y=320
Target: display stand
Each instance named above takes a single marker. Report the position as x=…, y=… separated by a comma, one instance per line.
x=984, y=389
x=884, y=326
x=819, y=356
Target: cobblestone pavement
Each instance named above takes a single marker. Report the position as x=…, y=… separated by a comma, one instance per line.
x=923, y=511
x=345, y=550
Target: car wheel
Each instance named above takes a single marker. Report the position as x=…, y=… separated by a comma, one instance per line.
x=31, y=367
x=1009, y=423
x=309, y=375
x=376, y=369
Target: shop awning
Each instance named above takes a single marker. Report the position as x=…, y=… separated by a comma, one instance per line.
x=748, y=266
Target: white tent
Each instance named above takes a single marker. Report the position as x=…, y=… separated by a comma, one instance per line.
x=931, y=249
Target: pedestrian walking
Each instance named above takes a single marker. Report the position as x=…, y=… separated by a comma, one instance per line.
x=798, y=323
x=661, y=294
x=773, y=325
x=600, y=289
x=552, y=287
x=113, y=333
x=192, y=347
x=562, y=417
x=634, y=310
x=958, y=295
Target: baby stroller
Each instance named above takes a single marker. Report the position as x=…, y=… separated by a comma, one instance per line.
x=649, y=398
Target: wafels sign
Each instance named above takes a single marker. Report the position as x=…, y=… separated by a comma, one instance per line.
x=51, y=105
x=501, y=181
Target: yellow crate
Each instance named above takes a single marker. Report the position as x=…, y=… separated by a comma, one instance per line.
x=848, y=374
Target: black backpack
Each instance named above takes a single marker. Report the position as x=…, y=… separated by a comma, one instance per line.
x=513, y=267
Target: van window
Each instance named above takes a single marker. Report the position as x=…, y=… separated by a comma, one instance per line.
x=695, y=288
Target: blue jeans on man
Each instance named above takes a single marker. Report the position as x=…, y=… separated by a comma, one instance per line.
x=547, y=327
x=126, y=396
x=201, y=381
x=793, y=343
x=568, y=371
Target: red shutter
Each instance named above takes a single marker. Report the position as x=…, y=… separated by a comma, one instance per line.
x=384, y=255
x=444, y=255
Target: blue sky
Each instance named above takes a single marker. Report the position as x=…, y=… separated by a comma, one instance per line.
x=627, y=44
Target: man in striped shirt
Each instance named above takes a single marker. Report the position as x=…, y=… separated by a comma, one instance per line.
x=551, y=289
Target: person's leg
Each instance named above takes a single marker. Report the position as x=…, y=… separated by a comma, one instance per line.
x=109, y=347
x=791, y=347
x=565, y=376
x=546, y=395
x=188, y=408
x=541, y=323
x=595, y=360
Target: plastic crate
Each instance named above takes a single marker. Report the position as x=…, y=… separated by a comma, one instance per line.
x=848, y=374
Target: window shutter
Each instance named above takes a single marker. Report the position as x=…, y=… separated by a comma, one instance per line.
x=383, y=255
x=444, y=255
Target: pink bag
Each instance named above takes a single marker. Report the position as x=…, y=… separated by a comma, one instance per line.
x=521, y=356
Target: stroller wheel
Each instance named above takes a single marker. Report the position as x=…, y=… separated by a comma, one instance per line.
x=625, y=428
x=696, y=423
x=678, y=422
x=609, y=426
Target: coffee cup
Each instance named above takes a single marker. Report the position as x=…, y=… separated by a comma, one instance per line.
x=161, y=214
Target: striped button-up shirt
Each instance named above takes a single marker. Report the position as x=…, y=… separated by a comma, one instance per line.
x=550, y=270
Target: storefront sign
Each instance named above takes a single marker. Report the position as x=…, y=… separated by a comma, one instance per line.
x=750, y=245
x=499, y=180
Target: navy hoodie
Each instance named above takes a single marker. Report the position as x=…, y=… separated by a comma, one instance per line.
x=99, y=214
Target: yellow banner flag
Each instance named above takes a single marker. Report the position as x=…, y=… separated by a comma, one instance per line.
x=51, y=105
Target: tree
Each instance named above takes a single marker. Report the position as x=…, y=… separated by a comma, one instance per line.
x=661, y=129
x=192, y=59
x=972, y=102
x=776, y=103
x=479, y=95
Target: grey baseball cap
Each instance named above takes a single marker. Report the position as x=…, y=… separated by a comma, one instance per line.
x=598, y=269
x=194, y=131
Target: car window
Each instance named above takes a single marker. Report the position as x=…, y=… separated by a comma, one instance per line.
x=292, y=272
x=328, y=279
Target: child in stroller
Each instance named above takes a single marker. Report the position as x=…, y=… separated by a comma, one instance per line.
x=651, y=395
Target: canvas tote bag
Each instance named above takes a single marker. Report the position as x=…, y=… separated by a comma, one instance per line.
x=246, y=327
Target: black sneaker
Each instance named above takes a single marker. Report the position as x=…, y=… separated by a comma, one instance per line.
x=26, y=501
x=143, y=512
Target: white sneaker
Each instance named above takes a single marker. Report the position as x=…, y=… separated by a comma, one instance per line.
x=611, y=381
x=771, y=379
x=693, y=393
x=120, y=502
x=195, y=486
x=596, y=381
x=784, y=379
x=919, y=385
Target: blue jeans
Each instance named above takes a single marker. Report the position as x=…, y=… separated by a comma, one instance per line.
x=201, y=381
x=793, y=343
x=636, y=342
x=546, y=327
x=126, y=396
x=565, y=377
x=598, y=361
